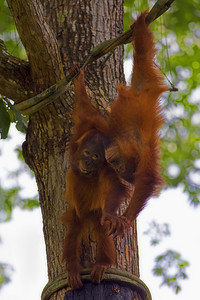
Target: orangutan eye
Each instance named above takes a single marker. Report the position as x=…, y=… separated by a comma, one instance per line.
x=86, y=153
x=95, y=156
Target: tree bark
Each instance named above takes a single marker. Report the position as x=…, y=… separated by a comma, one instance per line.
x=15, y=79
x=106, y=290
x=56, y=34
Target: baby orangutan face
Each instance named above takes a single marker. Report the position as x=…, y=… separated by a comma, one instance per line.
x=91, y=156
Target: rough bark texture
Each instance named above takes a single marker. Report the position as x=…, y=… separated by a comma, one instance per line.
x=56, y=34
x=107, y=290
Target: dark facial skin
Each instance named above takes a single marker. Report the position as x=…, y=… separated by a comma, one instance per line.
x=92, y=157
x=125, y=168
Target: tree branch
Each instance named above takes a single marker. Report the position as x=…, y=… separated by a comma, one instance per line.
x=32, y=105
x=15, y=76
x=38, y=40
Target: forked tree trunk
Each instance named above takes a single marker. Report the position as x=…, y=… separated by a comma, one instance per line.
x=56, y=34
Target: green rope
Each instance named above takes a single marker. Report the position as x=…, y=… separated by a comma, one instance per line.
x=111, y=274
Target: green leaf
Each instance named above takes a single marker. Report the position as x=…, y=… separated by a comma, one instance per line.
x=171, y=279
x=8, y=199
x=183, y=264
x=17, y=117
x=160, y=257
x=31, y=203
x=178, y=288
x=4, y=120
x=158, y=271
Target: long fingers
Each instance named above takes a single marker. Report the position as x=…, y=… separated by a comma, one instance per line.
x=118, y=225
x=74, y=281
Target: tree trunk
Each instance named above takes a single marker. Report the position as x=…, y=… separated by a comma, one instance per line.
x=56, y=34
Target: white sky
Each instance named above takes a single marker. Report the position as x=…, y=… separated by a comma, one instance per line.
x=23, y=245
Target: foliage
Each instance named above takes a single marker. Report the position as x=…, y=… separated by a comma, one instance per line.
x=8, y=32
x=10, y=198
x=5, y=271
x=157, y=232
x=171, y=268
x=8, y=114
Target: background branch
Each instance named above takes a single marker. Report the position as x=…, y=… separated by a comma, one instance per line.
x=15, y=79
x=38, y=40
